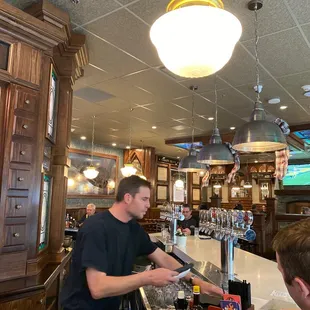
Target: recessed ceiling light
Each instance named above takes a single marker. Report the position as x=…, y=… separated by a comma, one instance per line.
x=306, y=87
x=154, y=127
x=113, y=144
x=283, y=107
x=256, y=161
x=211, y=118
x=275, y=100
x=127, y=147
x=307, y=94
x=232, y=128
x=83, y=138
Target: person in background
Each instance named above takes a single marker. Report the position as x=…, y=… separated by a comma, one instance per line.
x=105, y=251
x=292, y=247
x=238, y=206
x=189, y=223
x=90, y=210
x=254, y=209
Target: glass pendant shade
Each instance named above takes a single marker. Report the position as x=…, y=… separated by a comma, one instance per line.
x=217, y=185
x=259, y=135
x=247, y=185
x=194, y=40
x=179, y=183
x=215, y=153
x=190, y=164
x=91, y=172
x=128, y=170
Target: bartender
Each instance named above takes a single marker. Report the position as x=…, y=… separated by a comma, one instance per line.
x=90, y=210
x=189, y=223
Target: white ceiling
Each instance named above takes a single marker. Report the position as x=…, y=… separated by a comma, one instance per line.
x=124, y=63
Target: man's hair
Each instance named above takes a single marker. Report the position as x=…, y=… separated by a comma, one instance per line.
x=292, y=244
x=91, y=205
x=188, y=206
x=130, y=185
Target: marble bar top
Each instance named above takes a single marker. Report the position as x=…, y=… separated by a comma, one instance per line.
x=266, y=280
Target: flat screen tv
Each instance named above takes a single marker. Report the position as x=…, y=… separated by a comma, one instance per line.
x=297, y=175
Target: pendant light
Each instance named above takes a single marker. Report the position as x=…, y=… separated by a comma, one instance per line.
x=189, y=163
x=217, y=185
x=258, y=135
x=215, y=153
x=195, y=38
x=91, y=172
x=128, y=169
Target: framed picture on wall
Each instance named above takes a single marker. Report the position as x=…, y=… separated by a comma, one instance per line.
x=162, y=192
x=196, y=194
x=103, y=186
x=162, y=174
x=264, y=189
x=196, y=178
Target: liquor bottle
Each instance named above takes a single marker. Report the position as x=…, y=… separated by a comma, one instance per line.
x=67, y=220
x=196, y=298
x=181, y=303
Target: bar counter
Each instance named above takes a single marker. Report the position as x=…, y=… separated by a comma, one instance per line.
x=265, y=278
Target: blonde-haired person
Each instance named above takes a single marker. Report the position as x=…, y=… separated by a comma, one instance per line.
x=90, y=210
x=292, y=246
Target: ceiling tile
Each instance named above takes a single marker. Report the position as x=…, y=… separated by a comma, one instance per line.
x=87, y=108
x=110, y=59
x=266, y=16
x=240, y=69
x=301, y=10
x=92, y=76
x=161, y=86
x=127, y=32
x=124, y=2
x=283, y=53
x=149, y=10
x=116, y=105
x=125, y=90
x=293, y=83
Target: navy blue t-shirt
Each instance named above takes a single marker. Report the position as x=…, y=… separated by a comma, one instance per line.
x=108, y=245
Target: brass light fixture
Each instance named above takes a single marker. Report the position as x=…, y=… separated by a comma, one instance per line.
x=195, y=38
x=189, y=163
x=258, y=135
x=215, y=153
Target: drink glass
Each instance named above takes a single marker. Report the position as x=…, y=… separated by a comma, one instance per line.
x=196, y=232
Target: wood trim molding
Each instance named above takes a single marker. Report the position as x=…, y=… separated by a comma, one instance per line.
x=29, y=29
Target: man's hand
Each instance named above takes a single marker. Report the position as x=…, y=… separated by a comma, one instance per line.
x=161, y=277
x=187, y=231
x=208, y=288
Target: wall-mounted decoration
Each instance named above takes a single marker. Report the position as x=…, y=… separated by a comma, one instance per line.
x=4, y=55
x=196, y=194
x=264, y=189
x=168, y=160
x=52, y=106
x=218, y=170
x=47, y=154
x=99, y=187
x=262, y=168
x=45, y=211
x=253, y=169
x=162, y=174
x=196, y=178
x=162, y=192
x=270, y=169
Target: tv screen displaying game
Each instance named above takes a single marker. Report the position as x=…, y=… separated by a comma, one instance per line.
x=297, y=175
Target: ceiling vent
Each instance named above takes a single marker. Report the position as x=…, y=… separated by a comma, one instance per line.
x=92, y=95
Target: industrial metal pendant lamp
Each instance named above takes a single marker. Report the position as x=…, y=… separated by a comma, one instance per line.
x=189, y=163
x=195, y=38
x=91, y=172
x=258, y=135
x=215, y=153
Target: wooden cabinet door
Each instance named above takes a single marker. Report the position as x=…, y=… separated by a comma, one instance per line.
x=34, y=302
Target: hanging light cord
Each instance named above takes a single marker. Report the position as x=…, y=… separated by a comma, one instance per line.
x=130, y=130
x=215, y=95
x=193, y=119
x=92, y=141
x=256, y=54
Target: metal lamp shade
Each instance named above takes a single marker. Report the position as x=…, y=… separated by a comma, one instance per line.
x=190, y=164
x=259, y=135
x=215, y=153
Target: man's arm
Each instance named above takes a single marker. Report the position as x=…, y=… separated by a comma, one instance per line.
x=164, y=260
x=101, y=285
